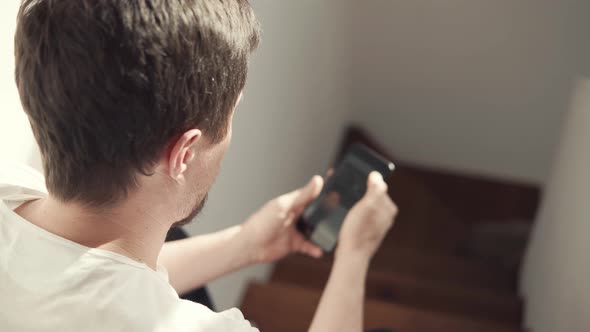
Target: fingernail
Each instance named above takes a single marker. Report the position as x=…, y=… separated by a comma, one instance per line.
x=376, y=176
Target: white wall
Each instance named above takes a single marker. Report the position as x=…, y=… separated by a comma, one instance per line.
x=16, y=140
x=556, y=270
x=471, y=85
x=482, y=86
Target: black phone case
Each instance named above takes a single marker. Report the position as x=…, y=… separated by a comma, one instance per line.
x=322, y=219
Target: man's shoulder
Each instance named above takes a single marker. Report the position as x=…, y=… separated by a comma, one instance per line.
x=143, y=300
x=123, y=300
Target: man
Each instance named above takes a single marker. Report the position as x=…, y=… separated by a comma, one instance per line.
x=131, y=103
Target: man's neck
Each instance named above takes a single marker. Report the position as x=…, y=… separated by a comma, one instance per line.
x=137, y=231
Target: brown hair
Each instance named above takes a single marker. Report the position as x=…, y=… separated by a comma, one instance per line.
x=108, y=83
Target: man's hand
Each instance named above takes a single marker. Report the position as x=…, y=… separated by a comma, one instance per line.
x=363, y=230
x=271, y=232
x=368, y=221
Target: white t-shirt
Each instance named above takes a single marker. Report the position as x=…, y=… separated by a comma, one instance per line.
x=48, y=283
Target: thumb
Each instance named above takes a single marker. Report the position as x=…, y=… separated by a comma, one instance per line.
x=309, y=192
x=375, y=185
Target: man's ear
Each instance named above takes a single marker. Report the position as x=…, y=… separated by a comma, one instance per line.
x=181, y=152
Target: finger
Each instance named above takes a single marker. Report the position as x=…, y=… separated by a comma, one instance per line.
x=311, y=249
x=329, y=172
x=308, y=193
x=375, y=185
x=291, y=198
x=291, y=216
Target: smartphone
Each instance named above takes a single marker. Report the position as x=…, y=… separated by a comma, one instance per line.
x=321, y=220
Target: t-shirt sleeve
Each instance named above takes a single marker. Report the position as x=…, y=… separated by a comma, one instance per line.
x=238, y=322
x=192, y=317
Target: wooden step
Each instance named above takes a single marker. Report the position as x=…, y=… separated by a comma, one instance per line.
x=438, y=207
x=473, y=198
x=445, y=268
x=411, y=291
x=423, y=221
x=279, y=307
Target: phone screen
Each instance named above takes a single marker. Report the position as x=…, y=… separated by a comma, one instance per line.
x=323, y=218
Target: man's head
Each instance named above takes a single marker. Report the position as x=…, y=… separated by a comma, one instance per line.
x=117, y=91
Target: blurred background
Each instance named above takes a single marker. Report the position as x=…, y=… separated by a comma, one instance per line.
x=485, y=96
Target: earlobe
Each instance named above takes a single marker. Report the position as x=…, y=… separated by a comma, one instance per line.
x=181, y=153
